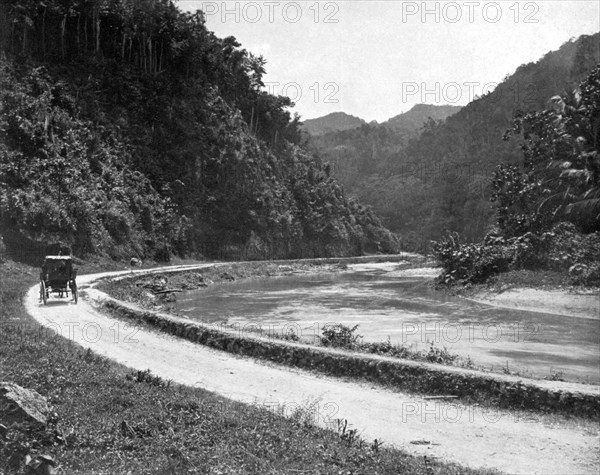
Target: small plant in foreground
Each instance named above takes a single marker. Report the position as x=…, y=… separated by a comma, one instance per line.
x=340, y=336
x=347, y=435
x=376, y=445
x=290, y=335
x=555, y=376
x=440, y=355
x=147, y=377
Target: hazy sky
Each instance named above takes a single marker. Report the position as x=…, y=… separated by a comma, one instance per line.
x=376, y=59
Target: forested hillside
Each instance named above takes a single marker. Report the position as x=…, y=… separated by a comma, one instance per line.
x=547, y=204
x=441, y=180
x=357, y=152
x=128, y=128
x=334, y=122
x=413, y=120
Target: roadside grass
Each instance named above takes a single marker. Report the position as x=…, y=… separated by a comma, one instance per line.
x=111, y=420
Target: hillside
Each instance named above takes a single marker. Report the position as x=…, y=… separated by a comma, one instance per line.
x=357, y=153
x=441, y=180
x=334, y=122
x=135, y=131
x=412, y=120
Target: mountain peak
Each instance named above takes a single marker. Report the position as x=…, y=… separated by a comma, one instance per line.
x=334, y=122
x=418, y=115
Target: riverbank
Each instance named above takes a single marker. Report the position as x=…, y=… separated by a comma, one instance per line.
x=356, y=359
x=158, y=292
x=541, y=292
x=553, y=302
x=438, y=428
x=112, y=420
x=382, y=298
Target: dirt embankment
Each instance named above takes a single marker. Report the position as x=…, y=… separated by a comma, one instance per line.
x=555, y=302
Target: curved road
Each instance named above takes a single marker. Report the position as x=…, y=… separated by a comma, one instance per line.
x=467, y=435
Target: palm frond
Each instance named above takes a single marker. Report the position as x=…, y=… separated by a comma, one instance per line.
x=585, y=208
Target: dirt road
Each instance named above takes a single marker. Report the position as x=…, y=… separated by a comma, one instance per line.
x=467, y=435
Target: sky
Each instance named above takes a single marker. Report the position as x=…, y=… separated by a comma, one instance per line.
x=377, y=59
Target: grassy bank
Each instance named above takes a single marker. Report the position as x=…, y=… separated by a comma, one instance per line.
x=112, y=421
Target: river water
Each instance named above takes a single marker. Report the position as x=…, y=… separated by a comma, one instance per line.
x=387, y=302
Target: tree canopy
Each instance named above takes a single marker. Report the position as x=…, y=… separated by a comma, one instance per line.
x=128, y=127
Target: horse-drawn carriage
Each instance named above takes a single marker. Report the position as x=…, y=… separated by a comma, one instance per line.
x=58, y=277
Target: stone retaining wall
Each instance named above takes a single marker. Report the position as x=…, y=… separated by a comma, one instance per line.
x=410, y=376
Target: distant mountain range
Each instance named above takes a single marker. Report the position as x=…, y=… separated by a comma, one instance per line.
x=409, y=122
x=416, y=117
x=334, y=122
x=425, y=178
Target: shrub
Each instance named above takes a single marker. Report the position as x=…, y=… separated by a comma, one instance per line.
x=456, y=259
x=589, y=250
x=340, y=336
x=529, y=251
x=471, y=262
x=563, y=241
x=589, y=276
x=440, y=355
x=558, y=249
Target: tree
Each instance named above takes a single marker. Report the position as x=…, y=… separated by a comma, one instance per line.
x=559, y=176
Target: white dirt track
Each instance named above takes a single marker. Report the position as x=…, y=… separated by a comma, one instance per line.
x=468, y=435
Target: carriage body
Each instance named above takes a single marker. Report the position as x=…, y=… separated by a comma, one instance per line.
x=58, y=277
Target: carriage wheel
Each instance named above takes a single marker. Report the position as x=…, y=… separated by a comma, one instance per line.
x=43, y=293
x=74, y=292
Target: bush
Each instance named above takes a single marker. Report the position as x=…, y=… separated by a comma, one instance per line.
x=589, y=276
x=564, y=240
x=471, y=262
x=529, y=251
x=456, y=259
x=440, y=355
x=559, y=249
x=340, y=336
x=589, y=250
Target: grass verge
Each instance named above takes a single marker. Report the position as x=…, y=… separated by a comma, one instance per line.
x=112, y=421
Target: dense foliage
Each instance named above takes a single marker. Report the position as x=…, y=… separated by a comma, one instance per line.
x=129, y=128
x=548, y=205
x=559, y=177
x=439, y=180
x=60, y=177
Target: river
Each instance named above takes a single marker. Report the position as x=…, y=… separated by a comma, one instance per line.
x=387, y=302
